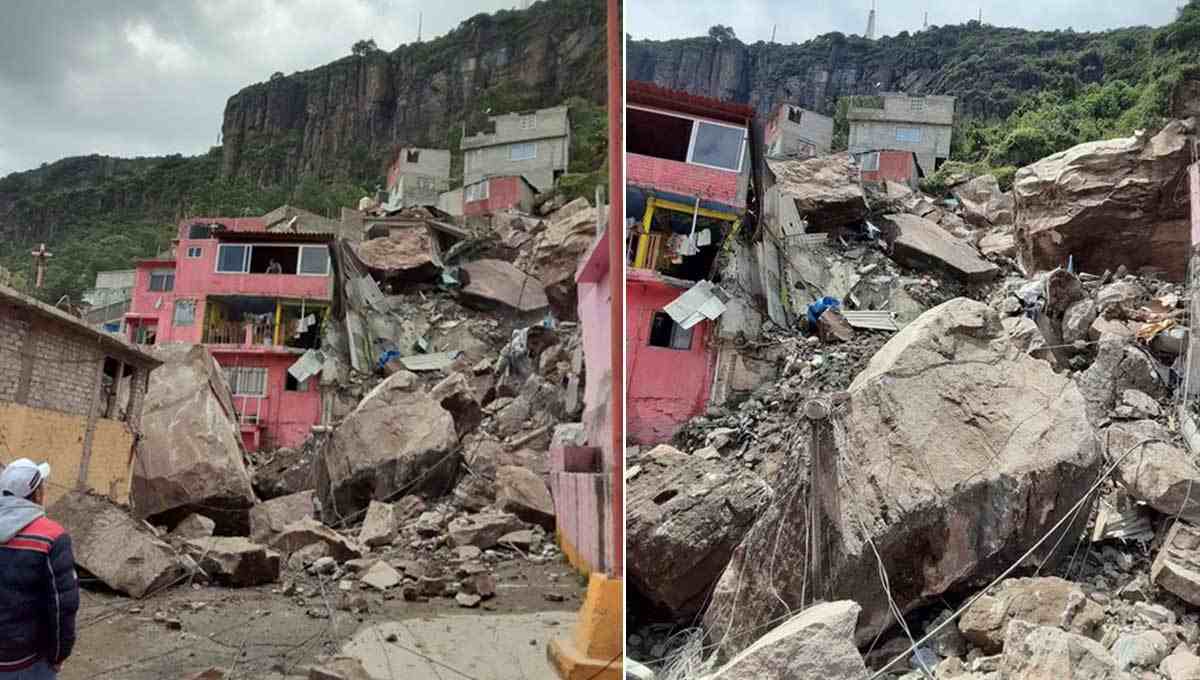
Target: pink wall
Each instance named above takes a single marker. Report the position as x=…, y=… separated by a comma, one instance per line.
x=684, y=178
x=895, y=166
x=666, y=387
x=286, y=416
x=503, y=193
x=594, y=284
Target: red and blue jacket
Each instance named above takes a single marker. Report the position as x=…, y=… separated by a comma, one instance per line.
x=39, y=592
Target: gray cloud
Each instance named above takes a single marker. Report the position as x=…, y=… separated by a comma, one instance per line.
x=150, y=77
x=794, y=21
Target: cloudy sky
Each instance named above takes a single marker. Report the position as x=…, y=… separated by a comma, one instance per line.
x=150, y=77
x=799, y=20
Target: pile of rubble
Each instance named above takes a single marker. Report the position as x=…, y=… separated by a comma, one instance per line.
x=446, y=393
x=1011, y=474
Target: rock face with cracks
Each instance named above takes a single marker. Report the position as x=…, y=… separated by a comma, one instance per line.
x=1108, y=203
x=398, y=440
x=684, y=517
x=114, y=548
x=192, y=448
x=957, y=454
x=817, y=643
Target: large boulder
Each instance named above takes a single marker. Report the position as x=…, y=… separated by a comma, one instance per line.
x=569, y=232
x=269, y=518
x=307, y=531
x=404, y=253
x=191, y=455
x=825, y=189
x=1157, y=472
x=921, y=244
x=1119, y=366
x=684, y=517
x=1034, y=652
x=115, y=548
x=1108, y=203
x=984, y=205
x=398, y=439
x=523, y=492
x=958, y=452
x=235, y=561
x=496, y=283
x=816, y=643
x=1047, y=601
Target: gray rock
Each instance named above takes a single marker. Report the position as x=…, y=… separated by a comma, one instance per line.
x=1180, y=665
x=1077, y=320
x=1118, y=367
x=1044, y=652
x=194, y=526
x=1140, y=650
x=816, y=643
x=235, y=561
x=484, y=529
x=1046, y=601
x=379, y=525
x=524, y=494
x=305, y=532
x=1176, y=568
x=381, y=576
x=270, y=517
x=1158, y=472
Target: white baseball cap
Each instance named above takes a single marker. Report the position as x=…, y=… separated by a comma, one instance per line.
x=22, y=477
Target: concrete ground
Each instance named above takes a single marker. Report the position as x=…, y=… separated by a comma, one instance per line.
x=262, y=634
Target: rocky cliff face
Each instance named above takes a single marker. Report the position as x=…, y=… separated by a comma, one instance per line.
x=986, y=67
x=346, y=118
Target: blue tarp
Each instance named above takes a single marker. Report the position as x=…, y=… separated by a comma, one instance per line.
x=816, y=309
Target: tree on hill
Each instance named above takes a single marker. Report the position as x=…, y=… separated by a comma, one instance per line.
x=722, y=33
x=364, y=47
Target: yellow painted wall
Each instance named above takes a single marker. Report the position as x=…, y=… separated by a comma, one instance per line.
x=57, y=438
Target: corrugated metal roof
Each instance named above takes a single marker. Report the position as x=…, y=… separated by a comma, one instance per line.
x=701, y=301
x=881, y=320
x=430, y=362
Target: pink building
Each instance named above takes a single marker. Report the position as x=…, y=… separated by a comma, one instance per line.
x=498, y=193
x=688, y=165
x=258, y=301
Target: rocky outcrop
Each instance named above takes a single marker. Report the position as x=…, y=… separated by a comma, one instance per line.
x=398, y=439
x=960, y=452
x=191, y=456
x=347, y=118
x=684, y=516
x=1107, y=204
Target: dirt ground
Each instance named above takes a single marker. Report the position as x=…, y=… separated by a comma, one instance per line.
x=262, y=633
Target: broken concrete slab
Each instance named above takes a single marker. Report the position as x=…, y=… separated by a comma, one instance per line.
x=115, y=548
x=307, y=531
x=684, y=517
x=1158, y=472
x=1046, y=601
x=524, y=493
x=947, y=421
x=397, y=440
x=235, y=561
x=191, y=456
x=816, y=643
x=919, y=243
x=484, y=529
x=496, y=282
x=271, y=517
x=379, y=525
x=1177, y=566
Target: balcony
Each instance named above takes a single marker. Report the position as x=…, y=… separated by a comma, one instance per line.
x=263, y=322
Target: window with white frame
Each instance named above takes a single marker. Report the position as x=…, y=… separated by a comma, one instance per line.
x=233, y=258
x=247, y=381
x=476, y=192
x=916, y=104
x=717, y=145
x=314, y=260
x=529, y=122
x=870, y=161
x=909, y=135
x=162, y=281
x=525, y=151
x=185, y=313
x=194, y=252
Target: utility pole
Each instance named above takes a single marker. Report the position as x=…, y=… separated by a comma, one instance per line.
x=40, y=260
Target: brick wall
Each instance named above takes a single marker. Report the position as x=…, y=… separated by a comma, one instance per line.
x=685, y=178
x=12, y=332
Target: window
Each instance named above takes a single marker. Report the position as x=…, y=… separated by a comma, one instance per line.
x=916, y=104
x=413, y=156
x=664, y=332
x=193, y=252
x=528, y=122
x=185, y=312
x=293, y=385
x=476, y=192
x=314, y=260
x=909, y=135
x=247, y=381
x=200, y=231
x=233, y=259
x=717, y=145
x=425, y=183
x=657, y=135
x=522, y=152
x=162, y=281
x=870, y=161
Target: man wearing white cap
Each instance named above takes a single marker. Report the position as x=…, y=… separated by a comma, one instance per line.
x=39, y=593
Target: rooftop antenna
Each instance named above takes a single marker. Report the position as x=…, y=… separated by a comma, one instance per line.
x=870, y=34
x=420, y=16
